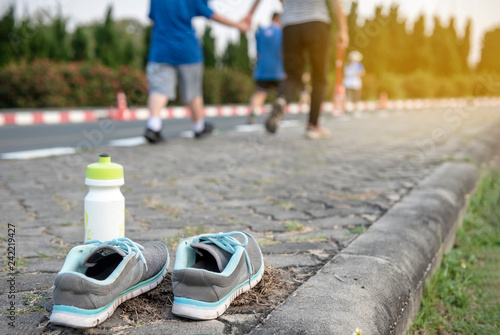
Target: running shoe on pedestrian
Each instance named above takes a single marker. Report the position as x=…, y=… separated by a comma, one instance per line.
x=208, y=129
x=316, y=132
x=98, y=276
x=273, y=121
x=153, y=137
x=211, y=270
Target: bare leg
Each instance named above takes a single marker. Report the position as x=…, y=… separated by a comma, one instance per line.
x=200, y=127
x=196, y=107
x=258, y=99
x=156, y=102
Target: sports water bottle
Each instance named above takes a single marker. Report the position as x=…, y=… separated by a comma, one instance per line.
x=104, y=204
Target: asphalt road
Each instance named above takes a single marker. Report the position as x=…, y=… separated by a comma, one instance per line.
x=102, y=133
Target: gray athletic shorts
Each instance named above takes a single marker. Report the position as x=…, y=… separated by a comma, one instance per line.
x=162, y=78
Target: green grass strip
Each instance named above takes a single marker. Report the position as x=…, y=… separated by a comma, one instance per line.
x=463, y=296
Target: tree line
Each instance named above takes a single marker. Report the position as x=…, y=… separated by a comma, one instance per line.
x=408, y=61
x=110, y=42
x=398, y=57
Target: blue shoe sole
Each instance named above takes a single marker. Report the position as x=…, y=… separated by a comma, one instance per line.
x=200, y=310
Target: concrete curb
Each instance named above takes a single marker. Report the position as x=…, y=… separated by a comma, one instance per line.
x=376, y=283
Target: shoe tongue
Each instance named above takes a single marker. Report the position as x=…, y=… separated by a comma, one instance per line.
x=100, y=252
x=221, y=256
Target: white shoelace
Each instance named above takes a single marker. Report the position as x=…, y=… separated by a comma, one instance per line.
x=226, y=242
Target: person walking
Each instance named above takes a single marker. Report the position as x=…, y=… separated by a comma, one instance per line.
x=353, y=71
x=306, y=30
x=175, y=53
x=268, y=70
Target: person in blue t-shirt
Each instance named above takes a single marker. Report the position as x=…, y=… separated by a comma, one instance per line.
x=268, y=70
x=175, y=52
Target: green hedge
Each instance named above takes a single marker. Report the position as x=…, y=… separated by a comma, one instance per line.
x=48, y=84
x=44, y=83
x=226, y=86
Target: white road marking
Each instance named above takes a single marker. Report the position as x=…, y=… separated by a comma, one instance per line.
x=186, y=134
x=290, y=123
x=38, y=153
x=247, y=128
x=128, y=142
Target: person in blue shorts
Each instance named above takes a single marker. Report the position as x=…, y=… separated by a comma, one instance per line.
x=268, y=70
x=175, y=53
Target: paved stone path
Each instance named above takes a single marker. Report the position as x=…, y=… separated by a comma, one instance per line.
x=303, y=200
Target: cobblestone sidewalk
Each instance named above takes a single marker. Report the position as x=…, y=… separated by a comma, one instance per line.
x=303, y=200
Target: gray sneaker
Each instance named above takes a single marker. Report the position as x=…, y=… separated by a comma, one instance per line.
x=274, y=119
x=211, y=270
x=99, y=276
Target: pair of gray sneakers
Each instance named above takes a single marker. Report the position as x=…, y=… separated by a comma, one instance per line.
x=209, y=272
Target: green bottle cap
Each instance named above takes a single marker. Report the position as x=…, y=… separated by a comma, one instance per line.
x=104, y=169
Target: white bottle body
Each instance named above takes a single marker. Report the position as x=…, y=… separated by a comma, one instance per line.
x=104, y=208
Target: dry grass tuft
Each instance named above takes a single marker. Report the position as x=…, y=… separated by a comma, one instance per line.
x=155, y=305
x=150, y=306
x=266, y=295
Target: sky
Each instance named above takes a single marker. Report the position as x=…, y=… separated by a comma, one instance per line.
x=484, y=13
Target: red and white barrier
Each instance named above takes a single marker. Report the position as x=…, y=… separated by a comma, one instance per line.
x=53, y=117
x=128, y=114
